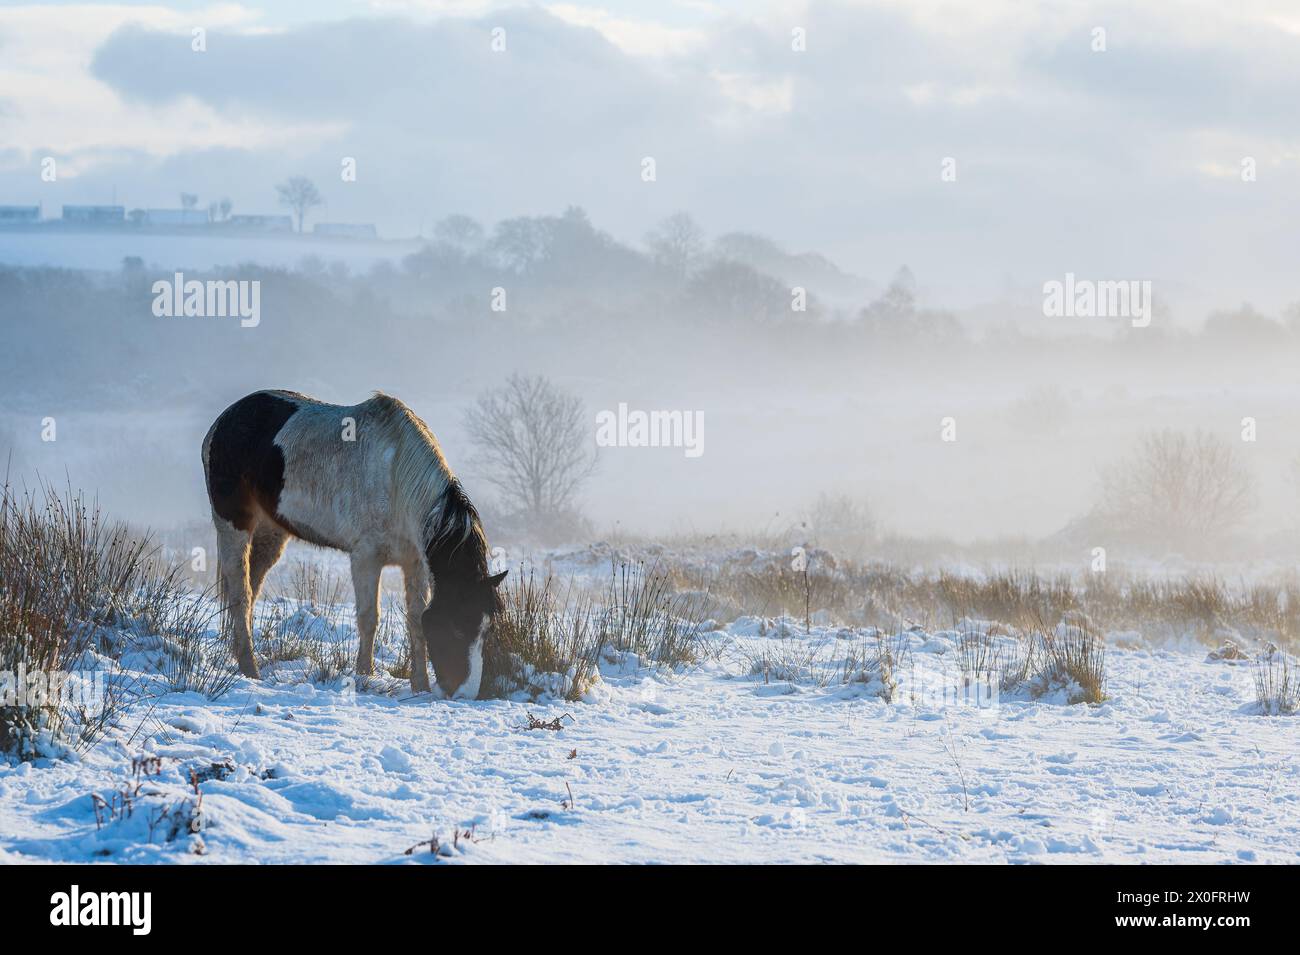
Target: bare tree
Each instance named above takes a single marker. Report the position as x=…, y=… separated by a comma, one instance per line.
x=189, y=200
x=458, y=230
x=676, y=244
x=843, y=524
x=534, y=445
x=300, y=195
x=1179, y=489
x=519, y=244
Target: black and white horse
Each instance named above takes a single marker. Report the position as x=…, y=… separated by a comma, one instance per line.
x=368, y=479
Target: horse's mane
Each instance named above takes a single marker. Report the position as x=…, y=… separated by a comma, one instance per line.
x=456, y=533
x=453, y=533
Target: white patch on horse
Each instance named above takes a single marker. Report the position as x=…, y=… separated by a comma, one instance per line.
x=469, y=689
x=366, y=493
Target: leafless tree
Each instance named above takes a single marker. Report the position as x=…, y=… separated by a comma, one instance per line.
x=459, y=230
x=1179, y=489
x=676, y=243
x=534, y=444
x=300, y=195
x=843, y=525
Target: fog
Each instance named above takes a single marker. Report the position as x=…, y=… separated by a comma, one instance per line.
x=848, y=319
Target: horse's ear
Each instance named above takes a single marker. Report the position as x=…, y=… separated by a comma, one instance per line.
x=495, y=579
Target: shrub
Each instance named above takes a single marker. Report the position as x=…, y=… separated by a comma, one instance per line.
x=307, y=622
x=1186, y=491
x=76, y=589
x=65, y=572
x=551, y=641
x=196, y=655
x=1277, y=688
x=1072, y=659
x=646, y=616
x=877, y=661
x=540, y=634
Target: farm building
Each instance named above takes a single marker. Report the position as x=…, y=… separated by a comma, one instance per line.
x=258, y=223
x=169, y=218
x=95, y=215
x=12, y=215
x=345, y=230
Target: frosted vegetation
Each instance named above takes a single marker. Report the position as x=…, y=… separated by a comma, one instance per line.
x=643, y=669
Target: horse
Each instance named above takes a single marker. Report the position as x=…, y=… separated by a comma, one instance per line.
x=368, y=479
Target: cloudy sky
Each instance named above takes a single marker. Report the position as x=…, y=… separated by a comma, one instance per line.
x=1118, y=164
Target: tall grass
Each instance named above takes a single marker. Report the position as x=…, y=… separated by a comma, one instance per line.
x=647, y=616
x=1071, y=659
x=72, y=581
x=64, y=572
x=887, y=596
x=541, y=632
x=196, y=655
x=548, y=629
x=1277, y=684
x=289, y=628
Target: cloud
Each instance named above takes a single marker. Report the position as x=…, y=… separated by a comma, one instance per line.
x=59, y=108
x=436, y=120
x=632, y=36
x=1066, y=158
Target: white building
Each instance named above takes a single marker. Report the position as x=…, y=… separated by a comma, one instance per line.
x=95, y=215
x=186, y=218
x=261, y=223
x=12, y=215
x=345, y=230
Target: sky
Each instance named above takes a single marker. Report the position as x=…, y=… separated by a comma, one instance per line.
x=1117, y=163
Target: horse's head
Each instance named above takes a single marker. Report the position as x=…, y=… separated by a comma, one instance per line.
x=455, y=626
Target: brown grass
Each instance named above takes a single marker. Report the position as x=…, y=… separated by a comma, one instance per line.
x=886, y=596
x=542, y=631
x=70, y=581
x=1277, y=684
x=563, y=629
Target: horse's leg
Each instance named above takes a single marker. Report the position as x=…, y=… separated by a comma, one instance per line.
x=268, y=545
x=233, y=546
x=365, y=584
x=416, y=577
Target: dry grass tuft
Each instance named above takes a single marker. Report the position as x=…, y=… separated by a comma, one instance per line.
x=307, y=621
x=1277, y=684
x=543, y=633
x=72, y=582
x=1073, y=659
x=552, y=640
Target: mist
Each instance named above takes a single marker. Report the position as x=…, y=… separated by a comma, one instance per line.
x=867, y=431
x=861, y=310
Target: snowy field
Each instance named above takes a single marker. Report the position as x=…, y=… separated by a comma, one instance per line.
x=757, y=754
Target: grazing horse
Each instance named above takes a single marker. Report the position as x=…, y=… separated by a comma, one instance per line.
x=368, y=479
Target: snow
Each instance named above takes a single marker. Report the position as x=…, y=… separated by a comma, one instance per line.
x=715, y=763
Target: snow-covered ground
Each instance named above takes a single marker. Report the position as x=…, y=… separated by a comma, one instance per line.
x=755, y=755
